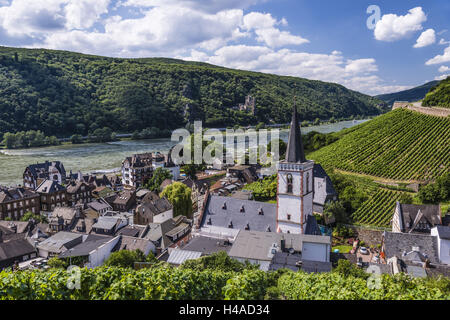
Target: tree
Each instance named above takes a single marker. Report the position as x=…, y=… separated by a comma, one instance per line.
x=190, y=170
x=219, y=261
x=125, y=258
x=282, y=148
x=76, y=139
x=31, y=216
x=159, y=175
x=335, y=209
x=57, y=263
x=179, y=195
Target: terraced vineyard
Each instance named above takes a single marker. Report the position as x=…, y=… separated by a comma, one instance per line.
x=378, y=209
x=399, y=145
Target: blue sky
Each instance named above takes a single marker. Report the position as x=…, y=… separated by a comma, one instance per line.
x=326, y=40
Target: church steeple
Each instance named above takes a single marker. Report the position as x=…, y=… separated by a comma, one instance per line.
x=295, y=152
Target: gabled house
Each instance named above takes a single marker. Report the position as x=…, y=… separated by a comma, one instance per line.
x=15, y=202
x=36, y=173
x=52, y=195
x=58, y=243
x=323, y=189
x=78, y=192
x=107, y=225
x=136, y=170
x=99, y=206
x=157, y=210
x=414, y=218
x=15, y=251
x=125, y=201
x=63, y=219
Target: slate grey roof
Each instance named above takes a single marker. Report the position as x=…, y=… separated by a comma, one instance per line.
x=15, y=248
x=256, y=245
x=443, y=232
x=216, y=216
x=178, y=256
x=98, y=205
x=49, y=186
x=107, y=223
x=207, y=245
x=399, y=244
x=294, y=151
x=132, y=243
x=322, y=194
x=282, y=260
x=311, y=226
x=59, y=240
x=43, y=168
x=430, y=214
x=91, y=243
x=316, y=266
x=131, y=231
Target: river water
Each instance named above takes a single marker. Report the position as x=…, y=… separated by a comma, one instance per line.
x=105, y=157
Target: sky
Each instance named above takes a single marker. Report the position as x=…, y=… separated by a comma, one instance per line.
x=369, y=46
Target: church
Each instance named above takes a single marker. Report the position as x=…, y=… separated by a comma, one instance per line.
x=299, y=195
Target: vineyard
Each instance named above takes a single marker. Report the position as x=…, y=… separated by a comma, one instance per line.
x=400, y=145
x=168, y=283
x=378, y=209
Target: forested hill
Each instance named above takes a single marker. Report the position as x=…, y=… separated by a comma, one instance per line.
x=64, y=93
x=411, y=95
x=439, y=95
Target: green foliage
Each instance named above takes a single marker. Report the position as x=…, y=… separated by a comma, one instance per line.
x=125, y=258
x=401, y=144
x=76, y=139
x=168, y=283
x=28, y=139
x=102, y=135
x=66, y=93
x=335, y=209
x=436, y=192
x=36, y=217
x=347, y=269
x=342, y=231
x=179, y=195
x=439, y=95
x=57, y=263
x=264, y=190
x=282, y=147
x=314, y=140
x=159, y=175
x=219, y=261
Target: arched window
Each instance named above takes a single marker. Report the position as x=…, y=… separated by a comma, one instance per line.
x=307, y=182
x=289, y=183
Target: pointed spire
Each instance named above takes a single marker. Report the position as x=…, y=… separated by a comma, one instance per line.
x=295, y=152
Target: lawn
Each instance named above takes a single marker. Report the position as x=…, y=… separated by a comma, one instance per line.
x=342, y=248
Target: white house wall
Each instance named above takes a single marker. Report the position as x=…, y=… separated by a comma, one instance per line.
x=99, y=255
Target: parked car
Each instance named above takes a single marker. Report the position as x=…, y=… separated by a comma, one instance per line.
x=360, y=262
x=363, y=250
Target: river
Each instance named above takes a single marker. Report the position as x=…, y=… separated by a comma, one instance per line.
x=105, y=157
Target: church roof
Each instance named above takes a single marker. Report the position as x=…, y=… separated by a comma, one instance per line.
x=295, y=152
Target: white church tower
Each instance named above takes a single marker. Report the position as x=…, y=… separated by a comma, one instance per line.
x=294, y=184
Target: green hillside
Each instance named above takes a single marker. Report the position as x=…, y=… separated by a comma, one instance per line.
x=64, y=93
x=439, y=95
x=411, y=95
x=399, y=145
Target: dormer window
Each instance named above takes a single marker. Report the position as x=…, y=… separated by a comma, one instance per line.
x=289, y=183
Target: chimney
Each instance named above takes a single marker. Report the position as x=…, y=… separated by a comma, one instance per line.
x=283, y=244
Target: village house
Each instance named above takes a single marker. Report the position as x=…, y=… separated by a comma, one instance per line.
x=125, y=201
x=136, y=170
x=78, y=192
x=99, y=206
x=58, y=243
x=63, y=219
x=414, y=218
x=15, y=202
x=153, y=211
x=261, y=248
x=15, y=251
x=324, y=191
x=52, y=195
x=36, y=173
x=108, y=225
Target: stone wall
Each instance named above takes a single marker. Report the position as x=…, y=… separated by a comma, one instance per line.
x=432, y=111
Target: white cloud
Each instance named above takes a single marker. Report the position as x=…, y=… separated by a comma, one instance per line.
x=210, y=6
x=264, y=27
x=426, y=38
x=443, y=42
x=361, y=65
x=442, y=77
x=392, y=27
x=443, y=69
x=84, y=13
x=440, y=58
